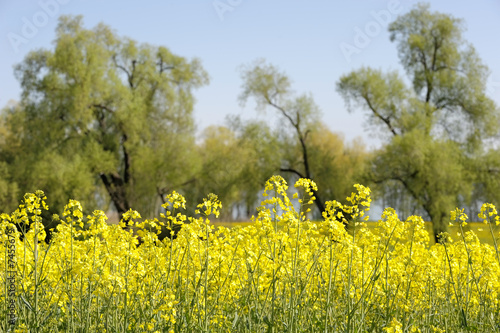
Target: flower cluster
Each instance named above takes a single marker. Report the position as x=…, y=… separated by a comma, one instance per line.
x=280, y=273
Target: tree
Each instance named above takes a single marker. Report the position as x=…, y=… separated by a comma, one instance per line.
x=436, y=126
x=336, y=164
x=265, y=159
x=223, y=160
x=309, y=149
x=103, y=110
x=271, y=88
x=487, y=184
x=236, y=161
x=9, y=188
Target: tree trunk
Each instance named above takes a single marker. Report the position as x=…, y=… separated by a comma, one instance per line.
x=439, y=225
x=115, y=186
x=318, y=202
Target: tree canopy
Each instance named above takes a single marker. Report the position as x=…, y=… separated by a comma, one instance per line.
x=109, y=121
x=103, y=116
x=435, y=126
x=309, y=149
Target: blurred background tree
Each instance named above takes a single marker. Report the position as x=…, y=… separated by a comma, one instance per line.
x=435, y=129
x=102, y=119
x=109, y=121
x=310, y=150
x=236, y=161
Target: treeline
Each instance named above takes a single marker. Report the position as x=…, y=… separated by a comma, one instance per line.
x=109, y=121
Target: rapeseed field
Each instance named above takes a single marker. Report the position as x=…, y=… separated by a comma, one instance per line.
x=281, y=273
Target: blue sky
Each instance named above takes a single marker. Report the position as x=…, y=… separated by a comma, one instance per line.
x=303, y=38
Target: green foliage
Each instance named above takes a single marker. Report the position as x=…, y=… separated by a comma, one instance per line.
x=103, y=118
x=435, y=128
x=309, y=149
x=335, y=163
x=235, y=163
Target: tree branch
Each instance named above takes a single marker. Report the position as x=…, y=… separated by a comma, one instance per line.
x=292, y=171
x=318, y=201
x=103, y=107
x=130, y=75
x=279, y=108
x=385, y=120
x=161, y=69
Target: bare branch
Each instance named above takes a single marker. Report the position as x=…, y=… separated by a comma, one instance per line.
x=385, y=120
